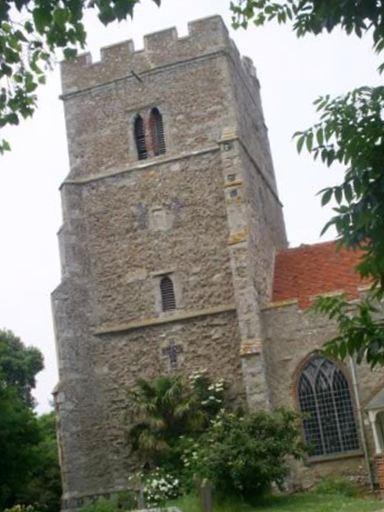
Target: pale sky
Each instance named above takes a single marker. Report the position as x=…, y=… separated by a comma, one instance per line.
x=292, y=74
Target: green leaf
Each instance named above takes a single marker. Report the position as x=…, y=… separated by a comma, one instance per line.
x=70, y=53
x=338, y=194
x=61, y=16
x=327, y=226
x=6, y=27
x=4, y=146
x=348, y=193
x=309, y=141
x=42, y=18
x=326, y=197
x=300, y=143
x=320, y=136
x=342, y=351
x=28, y=27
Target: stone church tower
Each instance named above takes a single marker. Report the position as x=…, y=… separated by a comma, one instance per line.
x=171, y=219
x=174, y=259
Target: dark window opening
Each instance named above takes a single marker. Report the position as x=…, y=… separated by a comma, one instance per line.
x=140, y=138
x=325, y=402
x=168, y=300
x=157, y=132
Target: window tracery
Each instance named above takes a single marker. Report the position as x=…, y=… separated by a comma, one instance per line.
x=325, y=402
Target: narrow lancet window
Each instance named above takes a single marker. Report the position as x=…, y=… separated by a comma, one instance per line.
x=139, y=132
x=157, y=132
x=168, y=300
x=325, y=402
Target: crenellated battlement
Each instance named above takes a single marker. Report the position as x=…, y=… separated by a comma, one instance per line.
x=161, y=48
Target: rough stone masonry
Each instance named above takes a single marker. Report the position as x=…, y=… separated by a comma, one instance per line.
x=205, y=213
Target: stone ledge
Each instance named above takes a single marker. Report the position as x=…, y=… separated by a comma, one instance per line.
x=155, y=162
x=364, y=288
x=279, y=304
x=171, y=317
x=162, y=272
x=332, y=293
x=335, y=456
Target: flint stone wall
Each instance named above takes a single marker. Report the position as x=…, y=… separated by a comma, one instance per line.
x=292, y=335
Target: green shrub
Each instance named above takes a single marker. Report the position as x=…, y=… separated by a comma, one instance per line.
x=337, y=485
x=127, y=500
x=243, y=454
x=101, y=505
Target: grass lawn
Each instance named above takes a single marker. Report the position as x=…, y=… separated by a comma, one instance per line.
x=303, y=502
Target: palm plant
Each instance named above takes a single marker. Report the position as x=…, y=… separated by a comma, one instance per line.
x=164, y=409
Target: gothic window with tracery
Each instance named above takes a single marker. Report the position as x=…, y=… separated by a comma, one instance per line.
x=325, y=402
x=157, y=132
x=167, y=290
x=139, y=133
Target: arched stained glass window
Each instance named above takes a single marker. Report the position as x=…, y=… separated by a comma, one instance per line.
x=168, y=300
x=325, y=402
x=139, y=132
x=157, y=132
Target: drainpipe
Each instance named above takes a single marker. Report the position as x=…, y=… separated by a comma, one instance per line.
x=360, y=420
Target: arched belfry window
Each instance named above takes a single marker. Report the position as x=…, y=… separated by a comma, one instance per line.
x=139, y=133
x=157, y=132
x=167, y=290
x=325, y=402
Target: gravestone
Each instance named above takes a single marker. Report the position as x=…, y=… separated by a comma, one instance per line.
x=206, y=496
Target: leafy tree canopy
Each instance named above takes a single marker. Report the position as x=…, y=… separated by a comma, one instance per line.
x=43, y=488
x=31, y=31
x=19, y=429
x=315, y=16
x=350, y=132
x=18, y=366
x=19, y=435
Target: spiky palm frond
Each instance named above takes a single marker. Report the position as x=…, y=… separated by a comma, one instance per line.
x=166, y=408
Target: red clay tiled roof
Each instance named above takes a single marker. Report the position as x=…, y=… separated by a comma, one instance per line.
x=309, y=270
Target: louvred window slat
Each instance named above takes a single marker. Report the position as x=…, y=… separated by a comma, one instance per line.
x=168, y=300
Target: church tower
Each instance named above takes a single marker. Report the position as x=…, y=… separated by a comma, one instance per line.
x=171, y=220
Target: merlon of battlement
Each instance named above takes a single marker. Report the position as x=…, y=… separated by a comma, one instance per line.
x=161, y=48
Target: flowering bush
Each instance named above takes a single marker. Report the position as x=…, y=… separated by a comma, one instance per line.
x=210, y=394
x=243, y=454
x=21, y=508
x=159, y=487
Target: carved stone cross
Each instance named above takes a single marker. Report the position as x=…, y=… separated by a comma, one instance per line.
x=172, y=351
